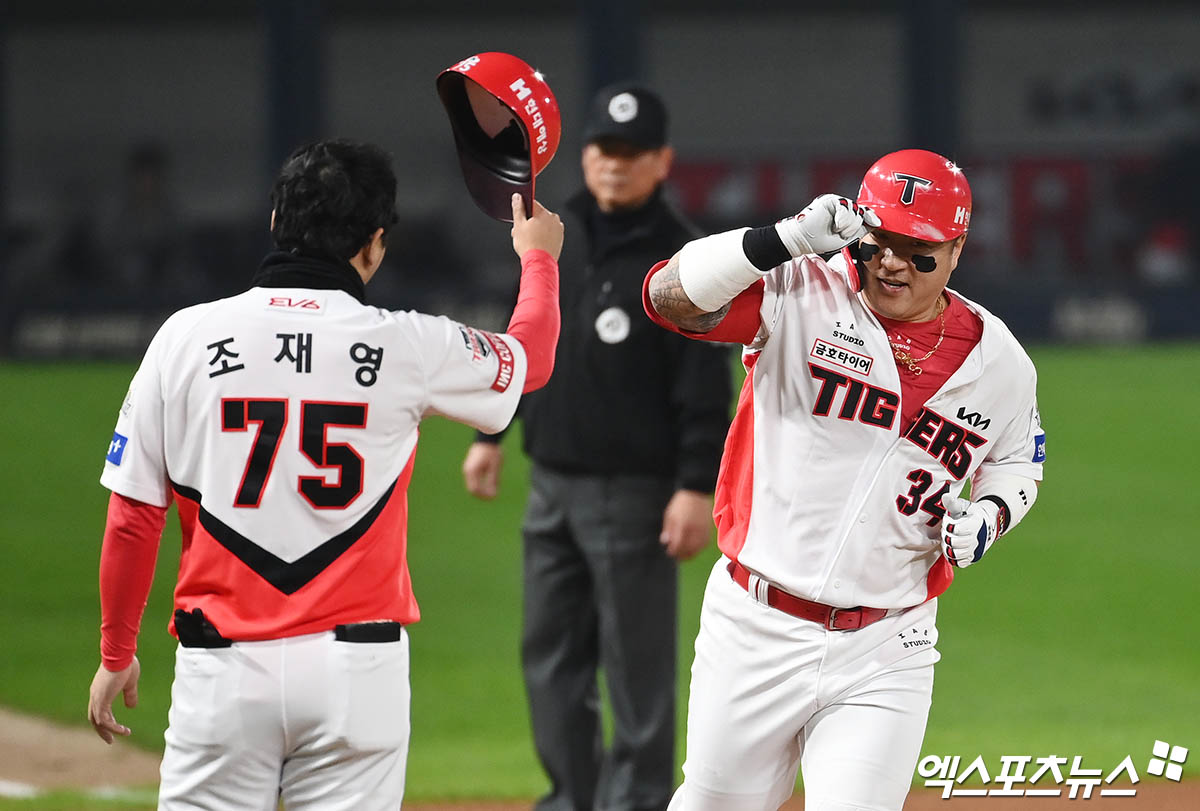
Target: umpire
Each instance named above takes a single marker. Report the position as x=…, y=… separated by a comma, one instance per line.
x=625, y=441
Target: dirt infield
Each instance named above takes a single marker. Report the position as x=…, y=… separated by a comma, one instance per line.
x=40, y=754
x=1156, y=797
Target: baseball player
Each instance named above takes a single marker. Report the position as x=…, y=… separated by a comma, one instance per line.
x=283, y=424
x=873, y=394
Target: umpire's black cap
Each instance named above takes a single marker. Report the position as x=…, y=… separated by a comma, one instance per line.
x=628, y=112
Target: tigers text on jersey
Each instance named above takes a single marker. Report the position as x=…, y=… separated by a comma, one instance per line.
x=823, y=490
x=284, y=422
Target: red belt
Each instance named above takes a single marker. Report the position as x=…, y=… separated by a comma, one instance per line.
x=834, y=619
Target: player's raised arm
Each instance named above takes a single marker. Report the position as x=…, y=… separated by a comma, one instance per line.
x=536, y=320
x=671, y=301
x=702, y=284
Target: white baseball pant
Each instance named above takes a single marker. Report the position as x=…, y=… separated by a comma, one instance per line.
x=771, y=693
x=320, y=723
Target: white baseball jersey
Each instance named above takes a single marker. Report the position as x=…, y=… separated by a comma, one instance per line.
x=822, y=490
x=284, y=421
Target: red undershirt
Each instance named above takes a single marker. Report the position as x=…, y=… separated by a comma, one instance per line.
x=963, y=330
x=536, y=319
x=127, y=557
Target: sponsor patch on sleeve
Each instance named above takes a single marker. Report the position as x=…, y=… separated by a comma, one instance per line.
x=473, y=341
x=1039, y=448
x=505, y=361
x=116, y=448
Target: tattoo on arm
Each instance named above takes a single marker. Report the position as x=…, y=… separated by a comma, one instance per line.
x=672, y=303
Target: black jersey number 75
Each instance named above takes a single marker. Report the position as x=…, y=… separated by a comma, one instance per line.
x=270, y=416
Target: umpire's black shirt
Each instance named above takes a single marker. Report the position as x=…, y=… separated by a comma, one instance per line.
x=626, y=395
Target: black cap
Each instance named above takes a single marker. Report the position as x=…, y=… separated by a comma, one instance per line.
x=627, y=112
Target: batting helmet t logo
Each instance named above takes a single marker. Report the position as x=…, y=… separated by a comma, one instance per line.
x=942, y=210
x=910, y=186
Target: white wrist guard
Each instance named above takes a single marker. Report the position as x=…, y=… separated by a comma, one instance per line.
x=1015, y=496
x=714, y=269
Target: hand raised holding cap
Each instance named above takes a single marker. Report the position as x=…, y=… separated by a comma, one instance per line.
x=543, y=231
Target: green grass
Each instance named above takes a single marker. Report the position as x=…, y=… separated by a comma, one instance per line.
x=136, y=800
x=1076, y=636
x=59, y=418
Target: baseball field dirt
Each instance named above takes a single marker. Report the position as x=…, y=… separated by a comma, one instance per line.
x=44, y=755
x=1181, y=797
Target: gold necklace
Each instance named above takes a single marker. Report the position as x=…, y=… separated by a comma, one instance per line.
x=902, y=353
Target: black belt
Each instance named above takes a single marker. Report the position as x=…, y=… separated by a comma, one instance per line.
x=368, y=632
x=196, y=631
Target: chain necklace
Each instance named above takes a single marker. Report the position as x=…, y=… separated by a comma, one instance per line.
x=901, y=350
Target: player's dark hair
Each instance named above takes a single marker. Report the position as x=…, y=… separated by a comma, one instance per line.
x=330, y=197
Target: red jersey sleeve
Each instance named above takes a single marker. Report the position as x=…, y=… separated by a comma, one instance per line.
x=131, y=535
x=739, y=326
x=536, y=319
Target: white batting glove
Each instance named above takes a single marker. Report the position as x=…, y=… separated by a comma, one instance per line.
x=826, y=225
x=968, y=530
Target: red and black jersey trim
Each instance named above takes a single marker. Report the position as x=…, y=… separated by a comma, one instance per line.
x=286, y=577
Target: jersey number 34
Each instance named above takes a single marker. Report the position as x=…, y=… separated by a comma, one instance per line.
x=270, y=418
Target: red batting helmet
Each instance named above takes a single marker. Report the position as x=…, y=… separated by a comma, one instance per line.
x=506, y=126
x=919, y=194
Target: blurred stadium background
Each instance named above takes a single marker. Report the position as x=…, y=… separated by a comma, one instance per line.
x=138, y=141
